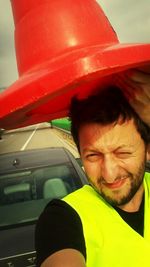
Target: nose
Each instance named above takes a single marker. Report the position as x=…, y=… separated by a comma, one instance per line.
x=109, y=169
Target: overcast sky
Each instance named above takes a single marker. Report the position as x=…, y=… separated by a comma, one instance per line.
x=130, y=19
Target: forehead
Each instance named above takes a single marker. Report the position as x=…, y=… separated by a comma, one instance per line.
x=119, y=134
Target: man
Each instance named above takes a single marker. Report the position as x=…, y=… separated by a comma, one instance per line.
x=71, y=51
x=105, y=223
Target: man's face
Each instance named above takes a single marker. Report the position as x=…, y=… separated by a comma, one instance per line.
x=114, y=159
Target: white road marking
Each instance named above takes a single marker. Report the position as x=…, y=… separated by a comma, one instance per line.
x=27, y=142
x=70, y=147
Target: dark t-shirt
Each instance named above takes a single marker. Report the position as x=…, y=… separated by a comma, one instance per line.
x=60, y=227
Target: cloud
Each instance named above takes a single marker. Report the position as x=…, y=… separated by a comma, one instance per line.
x=8, y=66
x=130, y=19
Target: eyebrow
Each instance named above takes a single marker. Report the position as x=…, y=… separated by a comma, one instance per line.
x=121, y=146
x=124, y=146
x=89, y=150
x=94, y=150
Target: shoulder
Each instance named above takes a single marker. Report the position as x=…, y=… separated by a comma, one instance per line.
x=58, y=227
x=58, y=211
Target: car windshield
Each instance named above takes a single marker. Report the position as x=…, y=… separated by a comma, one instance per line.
x=23, y=195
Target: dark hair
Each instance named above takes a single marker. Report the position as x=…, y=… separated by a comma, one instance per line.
x=106, y=107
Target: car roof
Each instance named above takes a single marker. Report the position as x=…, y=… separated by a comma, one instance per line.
x=34, y=158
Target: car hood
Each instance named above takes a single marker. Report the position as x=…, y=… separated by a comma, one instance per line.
x=17, y=246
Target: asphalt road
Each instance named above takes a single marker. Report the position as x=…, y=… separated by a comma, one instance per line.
x=35, y=136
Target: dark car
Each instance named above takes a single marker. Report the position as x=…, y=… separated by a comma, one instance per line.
x=28, y=181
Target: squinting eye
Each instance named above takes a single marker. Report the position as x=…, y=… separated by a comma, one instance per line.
x=93, y=157
x=123, y=154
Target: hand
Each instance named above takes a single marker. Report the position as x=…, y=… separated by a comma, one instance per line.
x=137, y=90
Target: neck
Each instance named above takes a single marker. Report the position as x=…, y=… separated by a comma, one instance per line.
x=134, y=204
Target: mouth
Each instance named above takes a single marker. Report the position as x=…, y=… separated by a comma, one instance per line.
x=116, y=184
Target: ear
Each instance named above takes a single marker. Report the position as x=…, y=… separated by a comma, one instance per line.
x=148, y=152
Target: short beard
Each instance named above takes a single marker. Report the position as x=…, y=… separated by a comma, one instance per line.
x=135, y=183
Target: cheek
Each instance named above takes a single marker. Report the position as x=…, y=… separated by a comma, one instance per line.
x=92, y=170
x=132, y=165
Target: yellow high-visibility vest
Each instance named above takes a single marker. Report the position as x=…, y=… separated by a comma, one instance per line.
x=110, y=241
